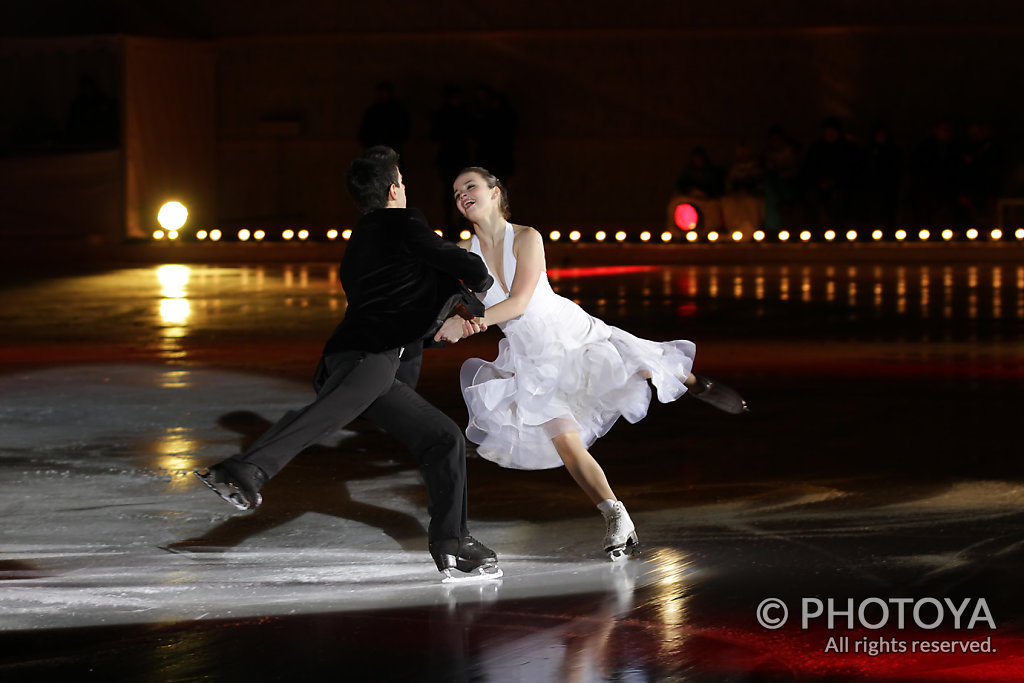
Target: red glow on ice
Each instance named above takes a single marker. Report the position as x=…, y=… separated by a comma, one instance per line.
x=598, y=271
x=802, y=655
x=687, y=310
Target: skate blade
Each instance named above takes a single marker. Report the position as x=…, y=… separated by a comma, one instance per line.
x=489, y=573
x=229, y=493
x=621, y=553
x=724, y=398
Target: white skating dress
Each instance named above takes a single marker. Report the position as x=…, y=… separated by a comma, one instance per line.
x=559, y=369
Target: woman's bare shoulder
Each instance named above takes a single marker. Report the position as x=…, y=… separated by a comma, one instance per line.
x=524, y=233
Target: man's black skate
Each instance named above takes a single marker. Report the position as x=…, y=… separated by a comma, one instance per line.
x=719, y=395
x=237, y=482
x=469, y=556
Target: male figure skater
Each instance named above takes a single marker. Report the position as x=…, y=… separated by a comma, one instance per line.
x=402, y=282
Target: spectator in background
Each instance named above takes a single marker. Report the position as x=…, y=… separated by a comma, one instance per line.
x=982, y=175
x=385, y=121
x=935, y=178
x=742, y=205
x=781, y=180
x=701, y=178
x=829, y=175
x=881, y=177
x=745, y=174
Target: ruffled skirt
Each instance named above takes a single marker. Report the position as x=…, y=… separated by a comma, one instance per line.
x=563, y=372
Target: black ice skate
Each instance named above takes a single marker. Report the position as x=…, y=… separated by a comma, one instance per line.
x=236, y=482
x=476, y=561
x=719, y=395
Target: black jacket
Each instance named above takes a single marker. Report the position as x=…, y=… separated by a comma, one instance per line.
x=401, y=281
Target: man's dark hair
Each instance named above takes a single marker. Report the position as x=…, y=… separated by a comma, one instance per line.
x=370, y=177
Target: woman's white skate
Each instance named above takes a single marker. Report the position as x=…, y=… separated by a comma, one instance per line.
x=620, y=540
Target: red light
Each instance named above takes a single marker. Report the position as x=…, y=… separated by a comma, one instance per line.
x=597, y=271
x=686, y=217
x=686, y=310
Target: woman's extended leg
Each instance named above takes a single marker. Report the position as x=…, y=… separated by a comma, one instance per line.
x=620, y=539
x=582, y=466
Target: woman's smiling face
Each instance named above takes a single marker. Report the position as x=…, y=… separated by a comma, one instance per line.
x=473, y=197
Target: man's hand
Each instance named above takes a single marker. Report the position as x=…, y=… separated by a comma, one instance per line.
x=456, y=328
x=477, y=325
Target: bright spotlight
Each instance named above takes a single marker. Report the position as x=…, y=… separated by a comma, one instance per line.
x=439, y=232
x=996, y=234
x=805, y=235
x=465, y=235
x=686, y=217
x=645, y=236
x=259, y=235
x=851, y=235
x=172, y=215
x=830, y=235
x=201, y=235
x=784, y=236
x=901, y=235
x=332, y=234
x=947, y=234
x=972, y=234
x=243, y=235
x=288, y=234
x=303, y=234
x=600, y=235
x=172, y=235
x=575, y=235
x=758, y=235
x=876, y=235
x=345, y=234
x=620, y=236
x=158, y=234
x=691, y=236
x=215, y=234
x=737, y=236
x=712, y=236
x=555, y=235
x=1019, y=234
x=924, y=235
x=666, y=236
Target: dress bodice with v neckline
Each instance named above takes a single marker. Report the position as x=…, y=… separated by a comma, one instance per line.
x=498, y=293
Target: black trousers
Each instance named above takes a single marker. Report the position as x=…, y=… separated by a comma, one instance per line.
x=351, y=384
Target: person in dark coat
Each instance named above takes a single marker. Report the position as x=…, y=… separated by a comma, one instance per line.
x=403, y=284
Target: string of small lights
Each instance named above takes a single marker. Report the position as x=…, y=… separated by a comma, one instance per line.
x=173, y=215
x=644, y=236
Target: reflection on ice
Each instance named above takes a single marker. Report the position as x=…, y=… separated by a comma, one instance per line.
x=174, y=312
x=173, y=280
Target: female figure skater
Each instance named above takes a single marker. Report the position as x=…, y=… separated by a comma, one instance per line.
x=562, y=377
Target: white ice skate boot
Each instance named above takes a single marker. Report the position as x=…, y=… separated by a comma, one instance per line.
x=620, y=540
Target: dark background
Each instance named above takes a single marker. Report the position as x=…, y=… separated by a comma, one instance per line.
x=250, y=111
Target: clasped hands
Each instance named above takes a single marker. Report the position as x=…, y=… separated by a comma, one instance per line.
x=457, y=327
